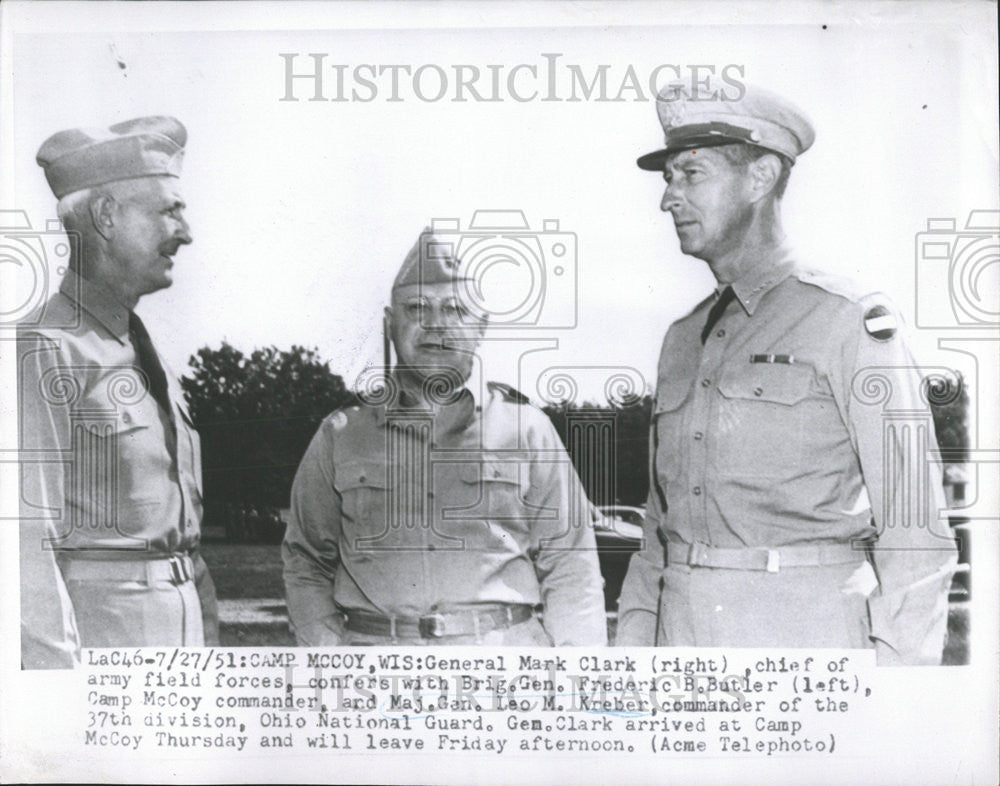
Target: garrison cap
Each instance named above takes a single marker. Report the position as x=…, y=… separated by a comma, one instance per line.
x=84, y=157
x=712, y=113
x=432, y=260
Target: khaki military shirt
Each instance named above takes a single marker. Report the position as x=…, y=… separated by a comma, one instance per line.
x=800, y=422
x=394, y=513
x=104, y=468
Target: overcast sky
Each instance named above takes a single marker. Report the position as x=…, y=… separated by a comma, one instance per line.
x=301, y=211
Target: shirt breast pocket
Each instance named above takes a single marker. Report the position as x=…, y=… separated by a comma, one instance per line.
x=490, y=512
x=762, y=418
x=668, y=415
x=129, y=435
x=493, y=492
x=363, y=491
x=117, y=467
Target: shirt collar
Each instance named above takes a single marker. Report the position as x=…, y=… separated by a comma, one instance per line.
x=98, y=301
x=471, y=389
x=761, y=279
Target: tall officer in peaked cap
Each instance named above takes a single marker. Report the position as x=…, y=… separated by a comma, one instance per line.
x=442, y=512
x=111, y=480
x=788, y=506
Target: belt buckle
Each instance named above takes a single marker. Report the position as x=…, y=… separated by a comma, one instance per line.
x=431, y=626
x=178, y=570
x=698, y=554
x=773, y=561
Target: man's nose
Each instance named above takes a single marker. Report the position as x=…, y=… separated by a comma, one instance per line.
x=183, y=233
x=432, y=319
x=671, y=198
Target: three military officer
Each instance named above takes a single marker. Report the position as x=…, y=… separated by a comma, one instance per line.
x=111, y=478
x=787, y=507
x=446, y=511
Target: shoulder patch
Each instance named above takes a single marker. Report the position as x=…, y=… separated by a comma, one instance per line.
x=509, y=393
x=337, y=419
x=880, y=323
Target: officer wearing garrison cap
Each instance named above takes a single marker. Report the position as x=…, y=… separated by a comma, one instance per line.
x=111, y=480
x=441, y=511
x=789, y=506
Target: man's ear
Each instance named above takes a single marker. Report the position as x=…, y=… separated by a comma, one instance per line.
x=102, y=209
x=764, y=175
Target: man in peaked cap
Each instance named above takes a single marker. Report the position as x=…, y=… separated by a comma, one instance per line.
x=788, y=507
x=111, y=498
x=440, y=513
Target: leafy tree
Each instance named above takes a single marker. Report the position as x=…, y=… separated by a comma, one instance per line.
x=256, y=415
x=949, y=402
x=609, y=446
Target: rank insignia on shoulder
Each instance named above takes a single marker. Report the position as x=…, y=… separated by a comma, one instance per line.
x=509, y=393
x=880, y=323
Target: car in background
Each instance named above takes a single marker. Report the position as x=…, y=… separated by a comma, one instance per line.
x=618, y=529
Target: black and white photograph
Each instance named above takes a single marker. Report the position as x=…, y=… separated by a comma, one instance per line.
x=467, y=392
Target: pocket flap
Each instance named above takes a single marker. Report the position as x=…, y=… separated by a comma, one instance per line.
x=671, y=394
x=126, y=420
x=491, y=471
x=777, y=383
x=360, y=474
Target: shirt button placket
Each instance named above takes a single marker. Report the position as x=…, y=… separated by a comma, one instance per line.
x=426, y=524
x=704, y=403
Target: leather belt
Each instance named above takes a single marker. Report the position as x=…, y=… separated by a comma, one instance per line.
x=702, y=555
x=177, y=568
x=434, y=626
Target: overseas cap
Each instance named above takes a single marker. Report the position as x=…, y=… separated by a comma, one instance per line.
x=715, y=113
x=432, y=260
x=85, y=157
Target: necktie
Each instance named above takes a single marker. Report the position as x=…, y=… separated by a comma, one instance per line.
x=716, y=311
x=148, y=361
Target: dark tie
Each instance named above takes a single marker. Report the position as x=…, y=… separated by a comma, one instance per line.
x=148, y=361
x=716, y=311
